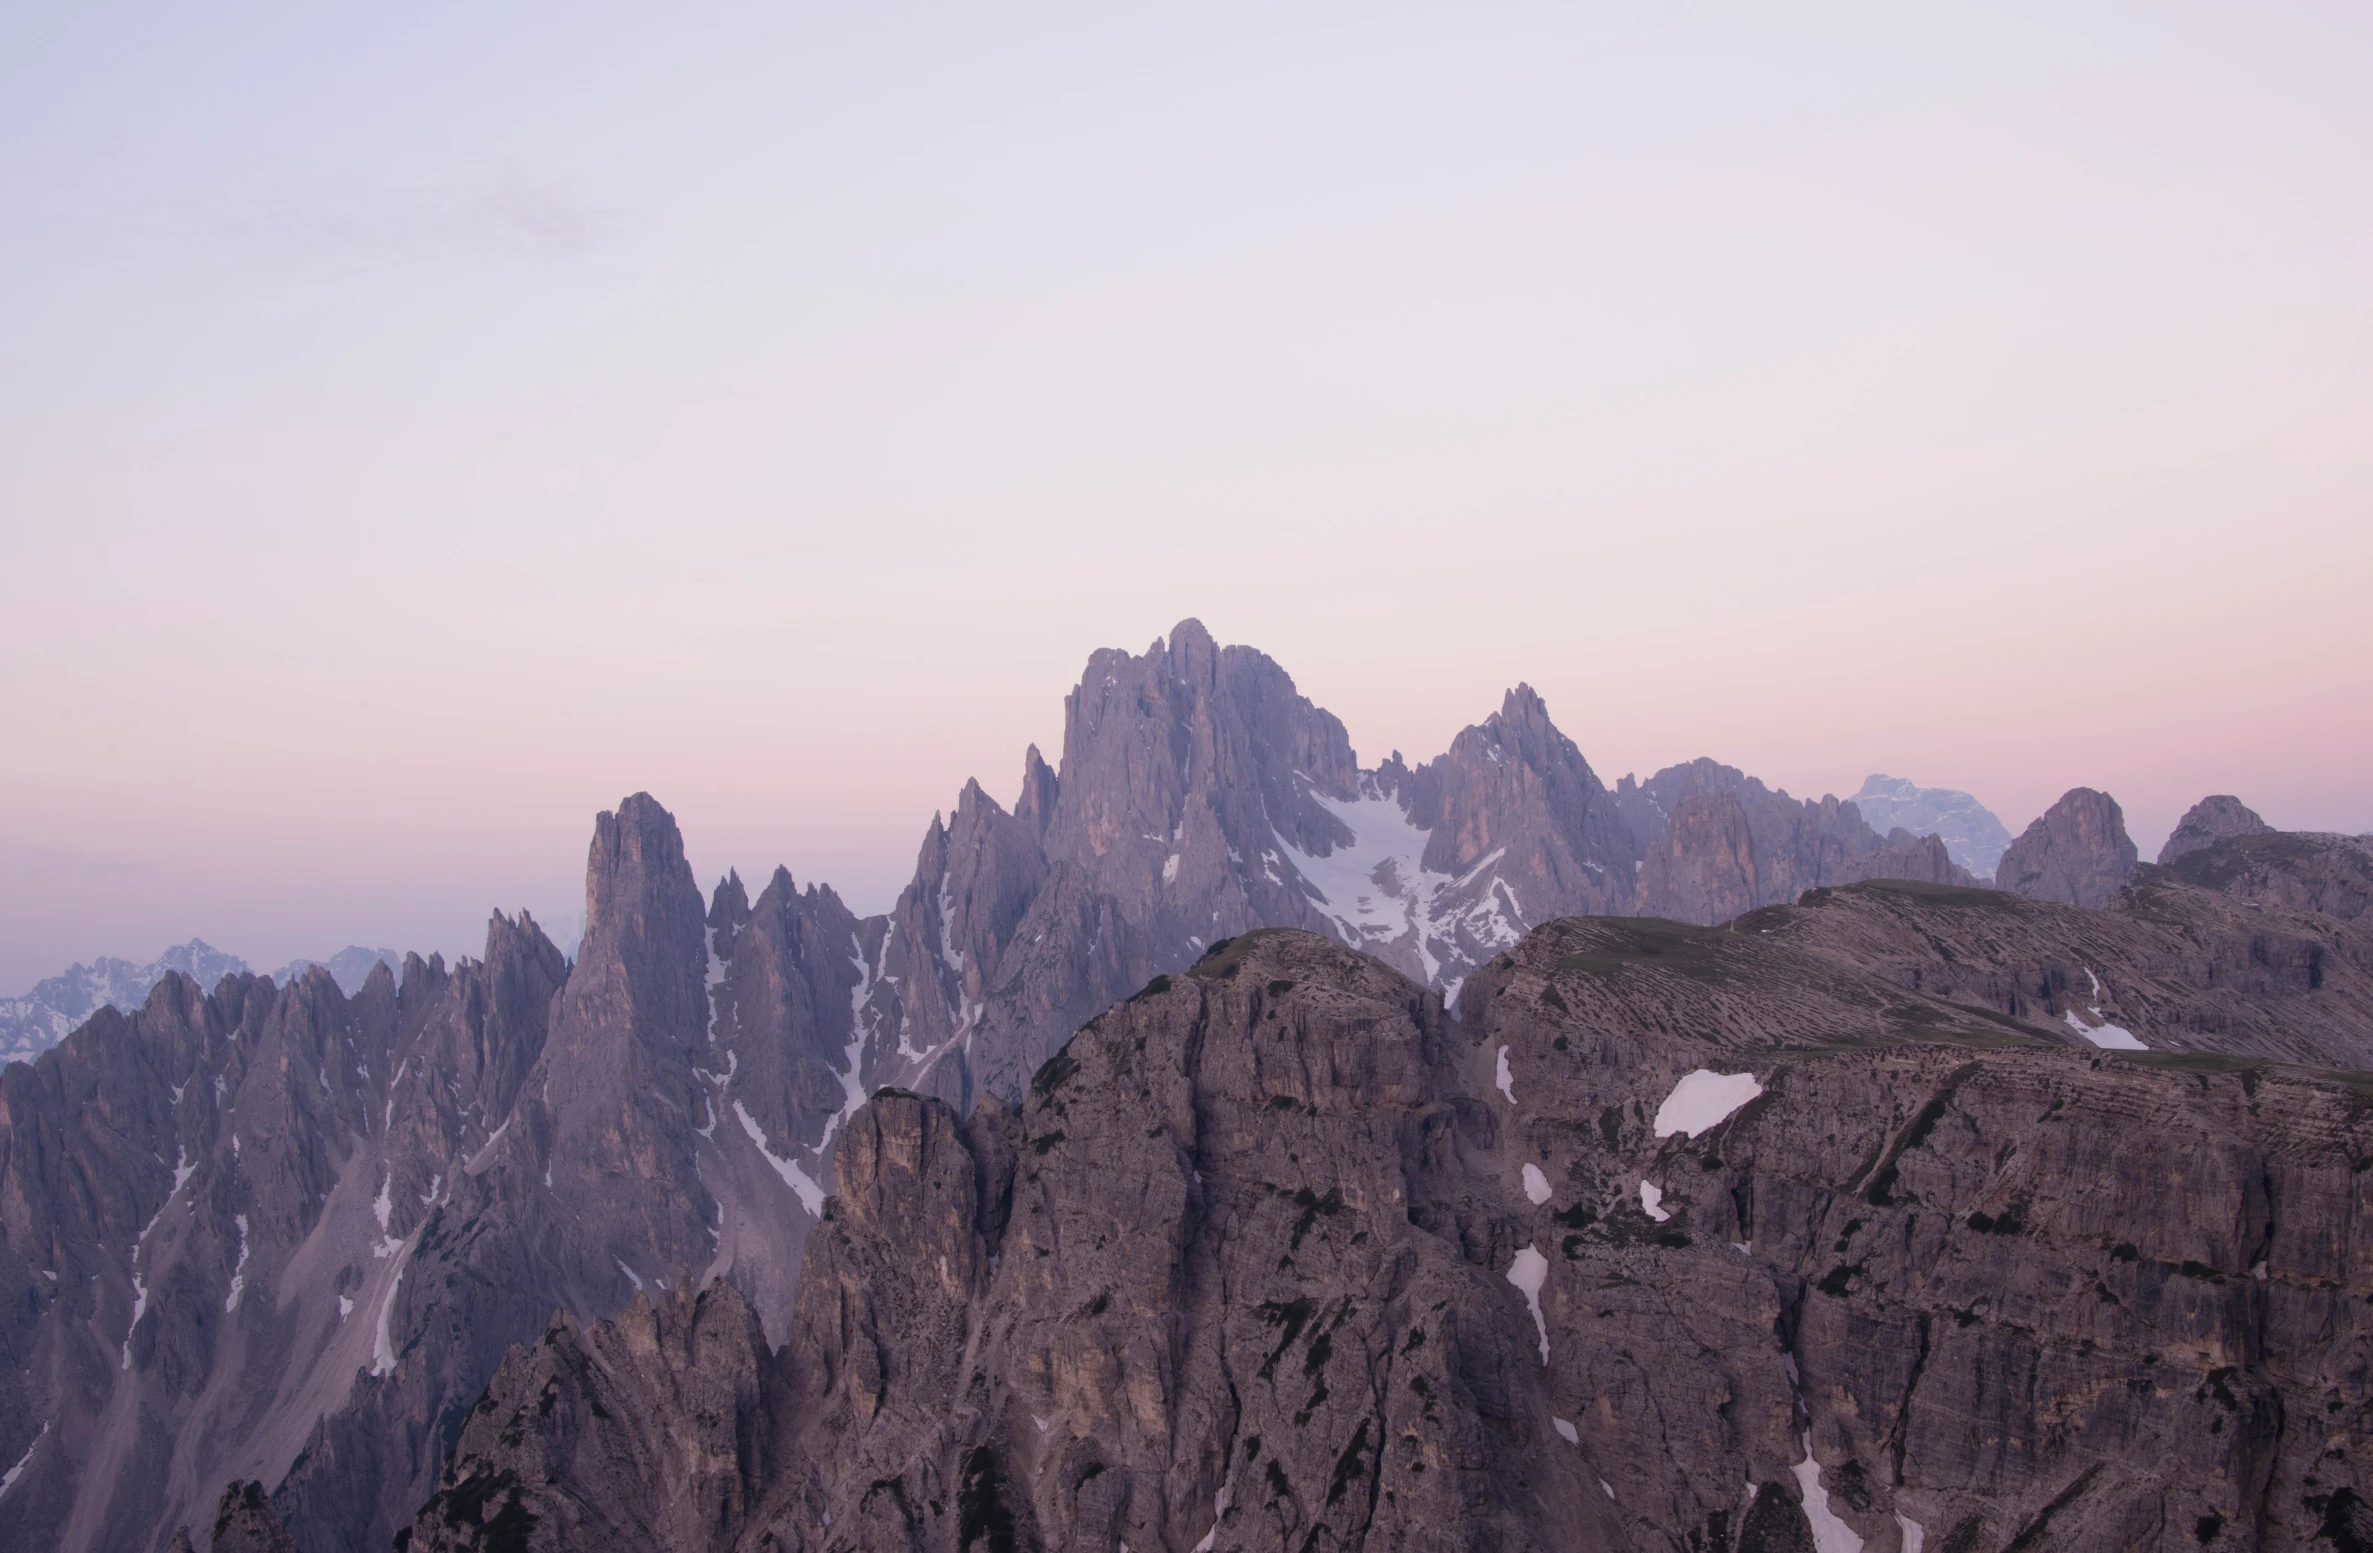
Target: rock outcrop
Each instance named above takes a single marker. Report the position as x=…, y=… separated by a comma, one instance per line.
x=1675, y=1238
x=2210, y=821
x=2076, y=853
x=1715, y=842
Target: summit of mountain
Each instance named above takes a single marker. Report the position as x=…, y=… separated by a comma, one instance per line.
x=2210, y=821
x=2076, y=852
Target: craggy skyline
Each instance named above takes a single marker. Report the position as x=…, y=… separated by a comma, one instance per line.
x=418, y=431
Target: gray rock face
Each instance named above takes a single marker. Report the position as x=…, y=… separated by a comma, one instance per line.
x=32, y=1024
x=2077, y=852
x=2318, y=873
x=1277, y=1253
x=1716, y=843
x=2210, y=821
x=1972, y=833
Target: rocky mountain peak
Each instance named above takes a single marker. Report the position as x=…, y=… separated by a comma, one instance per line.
x=729, y=908
x=1036, y=806
x=645, y=930
x=2210, y=821
x=2077, y=852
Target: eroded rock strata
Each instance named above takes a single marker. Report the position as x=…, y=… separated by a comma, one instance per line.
x=1277, y=1253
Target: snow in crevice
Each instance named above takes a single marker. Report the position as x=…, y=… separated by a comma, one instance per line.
x=384, y=1207
x=1830, y=1535
x=1503, y=1079
x=1566, y=1430
x=1704, y=1099
x=1536, y=1185
x=1378, y=893
x=811, y=1196
x=8, y=1478
x=1652, y=1202
x=1914, y=1535
x=1219, y=1509
x=852, y=1071
x=345, y=1307
x=1530, y=1273
x=2101, y=1032
x=383, y=1357
x=716, y=979
x=632, y=1276
x=239, y=1268
x=485, y=1151
x=182, y=1171
x=947, y=929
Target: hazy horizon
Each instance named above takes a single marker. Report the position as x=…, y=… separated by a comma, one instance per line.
x=418, y=431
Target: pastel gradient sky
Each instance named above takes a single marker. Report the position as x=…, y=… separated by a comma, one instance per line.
x=422, y=425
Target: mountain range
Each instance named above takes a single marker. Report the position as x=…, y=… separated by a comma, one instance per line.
x=32, y=1024
x=1232, y=1145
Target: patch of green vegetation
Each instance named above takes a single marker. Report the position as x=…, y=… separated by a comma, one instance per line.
x=1651, y=943
x=1347, y=1465
x=1223, y=959
x=981, y=1513
x=1313, y=1206
x=2011, y=1221
x=2192, y=1062
x=1292, y=1316
x=1920, y=893
x=1053, y=1074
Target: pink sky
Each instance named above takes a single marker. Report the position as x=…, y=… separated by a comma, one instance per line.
x=417, y=433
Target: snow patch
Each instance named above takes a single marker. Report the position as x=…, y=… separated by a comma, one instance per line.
x=383, y=1357
x=1170, y=869
x=1529, y=1272
x=1378, y=892
x=1704, y=1099
x=1505, y=1080
x=1609, y=1487
x=1566, y=1430
x=345, y=1307
x=8, y=1478
x=811, y=1196
x=239, y=1268
x=1536, y=1185
x=2102, y=1033
x=1830, y=1535
x=2107, y=1036
x=388, y=1245
x=1652, y=1202
x=632, y=1276
x=1913, y=1534
x=1219, y=1507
